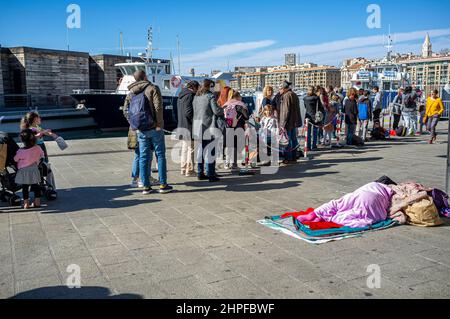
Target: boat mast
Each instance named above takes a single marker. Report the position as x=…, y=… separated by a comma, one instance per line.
x=122, y=49
x=149, y=55
x=179, y=55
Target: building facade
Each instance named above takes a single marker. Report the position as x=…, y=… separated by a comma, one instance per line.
x=290, y=59
x=275, y=79
x=250, y=81
x=429, y=73
x=324, y=76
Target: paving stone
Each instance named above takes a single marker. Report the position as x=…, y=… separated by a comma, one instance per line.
x=157, y=247
x=88, y=267
x=112, y=255
x=238, y=288
x=188, y=288
x=124, y=269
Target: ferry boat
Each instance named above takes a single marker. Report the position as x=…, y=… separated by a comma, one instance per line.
x=106, y=106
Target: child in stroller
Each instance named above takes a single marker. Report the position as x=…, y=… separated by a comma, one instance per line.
x=8, y=171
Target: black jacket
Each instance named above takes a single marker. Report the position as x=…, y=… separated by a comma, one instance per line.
x=185, y=111
x=276, y=103
x=311, y=108
x=351, y=112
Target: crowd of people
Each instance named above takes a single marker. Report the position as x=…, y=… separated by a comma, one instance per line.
x=204, y=117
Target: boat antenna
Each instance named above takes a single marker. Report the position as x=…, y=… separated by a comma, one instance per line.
x=150, y=45
x=389, y=45
x=171, y=63
x=179, y=55
x=122, y=48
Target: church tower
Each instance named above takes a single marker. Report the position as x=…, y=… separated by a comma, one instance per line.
x=427, y=47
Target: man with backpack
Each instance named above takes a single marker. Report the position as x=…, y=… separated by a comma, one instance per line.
x=146, y=117
x=409, y=110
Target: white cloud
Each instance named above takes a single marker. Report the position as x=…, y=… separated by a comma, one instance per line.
x=226, y=50
x=332, y=52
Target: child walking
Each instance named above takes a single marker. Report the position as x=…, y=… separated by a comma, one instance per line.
x=28, y=175
x=269, y=127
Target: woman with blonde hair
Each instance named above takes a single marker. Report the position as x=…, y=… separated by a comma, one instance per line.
x=267, y=99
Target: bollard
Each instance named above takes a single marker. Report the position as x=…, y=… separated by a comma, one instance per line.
x=390, y=123
x=338, y=130
x=246, y=171
x=306, y=138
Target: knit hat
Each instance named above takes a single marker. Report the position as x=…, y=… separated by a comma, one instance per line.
x=286, y=85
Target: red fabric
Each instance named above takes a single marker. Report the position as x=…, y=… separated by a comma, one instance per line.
x=295, y=215
x=321, y=225
x=312, y=225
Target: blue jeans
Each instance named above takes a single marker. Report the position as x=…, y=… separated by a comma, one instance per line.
x=291, y=153
x=201, y=160
x=135, y=168
x=351, y=128
x=149, y=141
x=312, y=137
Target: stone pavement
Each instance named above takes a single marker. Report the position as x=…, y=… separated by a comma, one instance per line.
x=202, y=241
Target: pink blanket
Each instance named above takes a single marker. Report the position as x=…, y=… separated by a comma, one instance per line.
x=364, y=207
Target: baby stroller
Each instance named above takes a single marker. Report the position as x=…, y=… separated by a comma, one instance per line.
x=8, y=169
x=47, y=184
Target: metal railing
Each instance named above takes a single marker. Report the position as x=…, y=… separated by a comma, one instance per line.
x=31, y=100
x=93, y=91
x=446, y=109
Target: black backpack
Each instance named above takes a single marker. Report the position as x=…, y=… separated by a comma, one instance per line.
x=410, y=103
x=141, y=117
x=401, y=131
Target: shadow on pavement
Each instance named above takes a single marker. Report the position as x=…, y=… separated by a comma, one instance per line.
x=63, y=292
x=83, y=198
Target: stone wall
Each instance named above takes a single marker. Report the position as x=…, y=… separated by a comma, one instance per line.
x=52, y=72
x=103, y=74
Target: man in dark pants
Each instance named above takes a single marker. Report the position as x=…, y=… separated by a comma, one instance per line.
x=377, y=104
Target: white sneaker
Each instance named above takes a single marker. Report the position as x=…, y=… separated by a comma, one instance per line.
x=147, y=191
x=140, y=185
x=134, y=183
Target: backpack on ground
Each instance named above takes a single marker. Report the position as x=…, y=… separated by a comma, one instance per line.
x=141, y=117
x=363, y=111
x=357, y=141
x=401, y=131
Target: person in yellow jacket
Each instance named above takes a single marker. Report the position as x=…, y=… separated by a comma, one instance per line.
x=435, y=109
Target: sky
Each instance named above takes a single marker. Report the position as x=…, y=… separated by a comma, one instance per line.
x=217, y=34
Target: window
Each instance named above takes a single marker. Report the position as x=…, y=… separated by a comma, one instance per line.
x=166, y=84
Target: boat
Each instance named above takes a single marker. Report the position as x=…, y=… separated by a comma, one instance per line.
x=106, y=106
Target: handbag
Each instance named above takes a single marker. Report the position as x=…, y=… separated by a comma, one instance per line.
x=61, y=143
x=318, y=118
x=132, y=142
x=283, y=138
